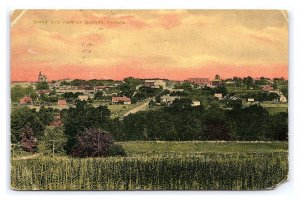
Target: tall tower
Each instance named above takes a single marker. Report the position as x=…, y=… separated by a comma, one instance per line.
x=42, y=78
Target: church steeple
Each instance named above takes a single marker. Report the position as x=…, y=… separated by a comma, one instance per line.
x=42, y=78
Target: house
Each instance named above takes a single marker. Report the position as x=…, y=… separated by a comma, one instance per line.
x=62, y=102
x=267, y=88
x=168, y=99
x=121, y=100
x=250, y=100
x=56, y=122
x=89, y=89
x=43, y=92
x=155, y=84
x=195, y=103
x=83, y=97
x=283, y=99
x=200, y=81
x=218, y=96
x=26, y=100
x=100, y=88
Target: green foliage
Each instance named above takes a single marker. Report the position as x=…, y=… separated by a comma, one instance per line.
x=42, y=86
x=46, y=115
x=19, y=92
x=83, y=116
x=22, y=117
x=98, y=95
x=116, y=150
x=96, y=143
x=54, y=137
x=202, y=171
x=28, y=142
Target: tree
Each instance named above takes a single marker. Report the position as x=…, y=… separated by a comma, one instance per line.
x=19, y=92
x=54, y=139
x=84, y=116
x=278, y=127
x=28, y=142
x=98, y=95
x=42, y=86
x=95, y=143
x=46, y=115
x=22, y=117
x=215, y=126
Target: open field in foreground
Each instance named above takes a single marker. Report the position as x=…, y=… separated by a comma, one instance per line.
x=161, y=166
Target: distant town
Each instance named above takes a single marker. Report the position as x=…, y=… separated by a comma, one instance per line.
x=160, y=92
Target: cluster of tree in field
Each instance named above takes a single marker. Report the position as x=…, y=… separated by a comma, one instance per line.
x=181, y=121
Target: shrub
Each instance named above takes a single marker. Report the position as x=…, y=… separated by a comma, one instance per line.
x=95, y=143
x=116, y=150
x=28, y=142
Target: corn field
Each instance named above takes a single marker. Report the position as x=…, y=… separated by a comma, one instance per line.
x=246, y=171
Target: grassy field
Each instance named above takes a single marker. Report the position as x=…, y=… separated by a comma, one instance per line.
x=191, y=147
x=275, y=108
x=161, y=166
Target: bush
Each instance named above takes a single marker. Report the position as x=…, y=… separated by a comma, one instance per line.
x=116, y=150
x=95, y=143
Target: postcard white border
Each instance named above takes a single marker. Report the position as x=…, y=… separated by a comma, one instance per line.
x=287, y=191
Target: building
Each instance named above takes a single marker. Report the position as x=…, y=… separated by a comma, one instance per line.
x=56, y=122
x=26, y=100
x=217, y=81
x=155, y=84
x=83, y=97
x=43, y=92
x=62, y=102
x=218, y=96
x=200, y=81
x=42, y=78
x=168, y=99
x=101, y=88
x=268, y=88
x=250, y=100
x=195, y=103
x=283, y=99
x=121, y=100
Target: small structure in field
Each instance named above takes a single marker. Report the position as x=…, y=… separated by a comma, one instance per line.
x=83, y=97
x=218, y=96
x=267, y=88
x=250, y=100
x=62, y=102
x=26, y=100
x=155, y=84
x=121, y=100
x=195, y=103
x=168, y=99
x=283, y=99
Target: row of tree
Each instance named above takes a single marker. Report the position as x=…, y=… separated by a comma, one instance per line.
x=179, y=121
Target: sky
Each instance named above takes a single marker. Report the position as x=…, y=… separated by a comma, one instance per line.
x=169, y=44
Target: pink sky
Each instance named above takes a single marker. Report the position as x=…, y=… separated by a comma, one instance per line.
x=171, y=44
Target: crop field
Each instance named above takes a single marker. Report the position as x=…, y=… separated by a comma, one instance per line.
x=171, y=166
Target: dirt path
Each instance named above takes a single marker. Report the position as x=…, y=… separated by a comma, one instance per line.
x=137, y=109
x=27, y=157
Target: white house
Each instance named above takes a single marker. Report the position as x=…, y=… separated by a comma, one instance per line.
x=155, y=84
x=168, y=99
x=196, y=103
x=83, y=97
x=283, y=99
x=250, y=100
x=218, y=95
